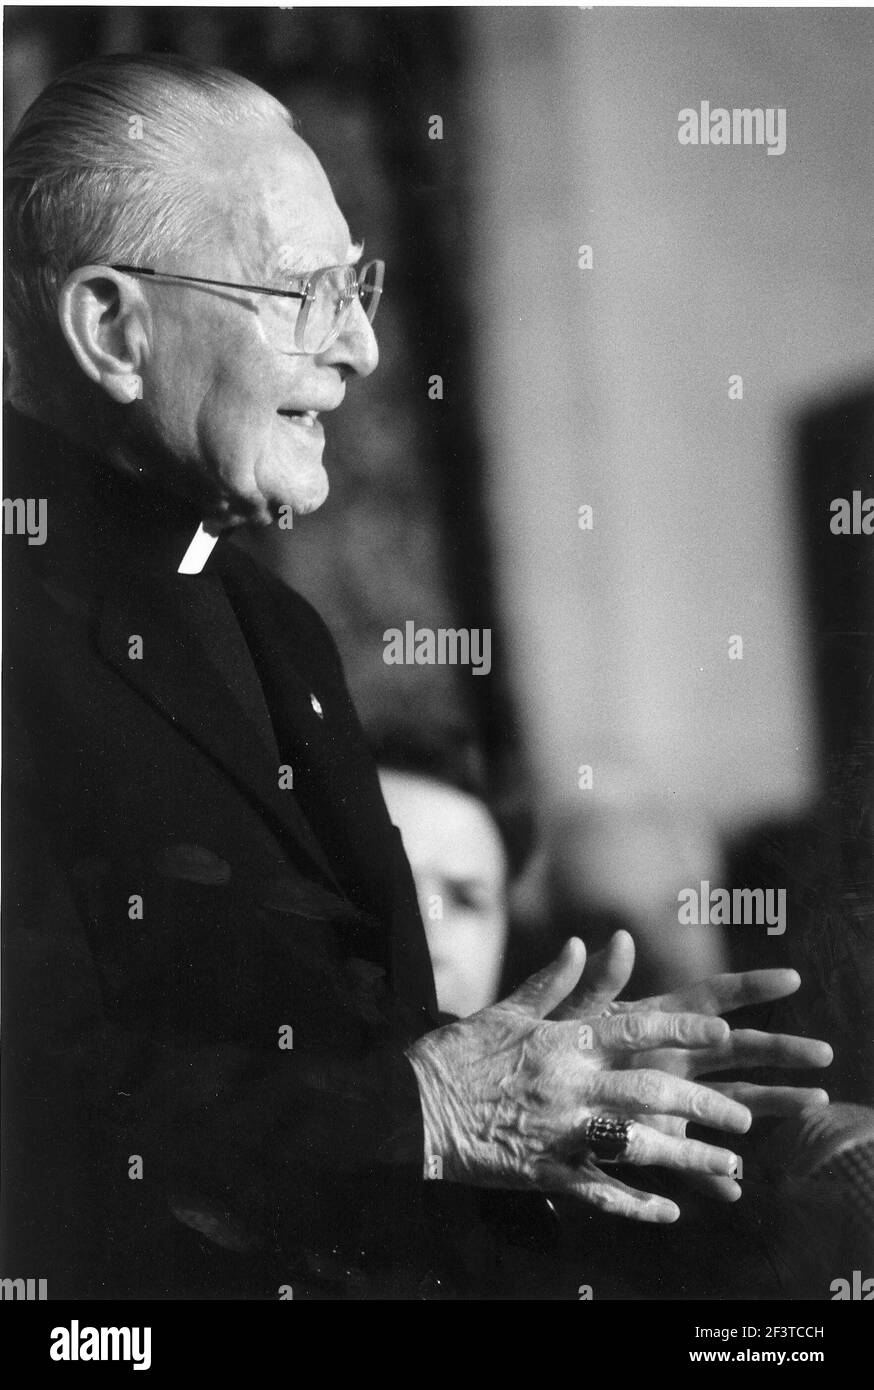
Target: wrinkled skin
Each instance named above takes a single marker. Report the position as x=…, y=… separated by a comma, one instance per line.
x=506, y=1093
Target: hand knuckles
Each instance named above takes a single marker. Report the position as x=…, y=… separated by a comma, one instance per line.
x=633, y=1028
x=543, y=1039
x=691, y=1154
x=686, y=1028
x=701, y=1104
x=639, y=1144
x=649, y=1089
x=599, y=1090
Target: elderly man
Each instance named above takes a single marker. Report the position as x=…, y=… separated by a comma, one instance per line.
x=224, y=1077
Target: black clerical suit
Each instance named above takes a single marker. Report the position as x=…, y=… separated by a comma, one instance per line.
x=213, y=956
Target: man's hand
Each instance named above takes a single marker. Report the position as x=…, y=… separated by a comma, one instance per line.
x=608, y=973
x=506, y=1094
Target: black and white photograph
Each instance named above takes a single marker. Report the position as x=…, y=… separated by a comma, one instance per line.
x=438, y=670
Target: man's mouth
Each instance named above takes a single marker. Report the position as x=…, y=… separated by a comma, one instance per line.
x=308, y=418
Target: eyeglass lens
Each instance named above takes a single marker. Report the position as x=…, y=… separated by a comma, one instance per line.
x=310, y=326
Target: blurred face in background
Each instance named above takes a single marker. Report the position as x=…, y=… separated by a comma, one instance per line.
x=460, y=871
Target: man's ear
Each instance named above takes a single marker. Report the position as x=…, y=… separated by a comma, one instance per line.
x=104, y=317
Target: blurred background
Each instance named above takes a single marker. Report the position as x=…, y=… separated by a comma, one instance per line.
x=608, y=387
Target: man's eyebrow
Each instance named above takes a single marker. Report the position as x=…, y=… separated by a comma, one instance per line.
x=287, y=262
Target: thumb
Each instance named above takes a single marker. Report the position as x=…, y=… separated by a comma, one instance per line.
x=543, y=992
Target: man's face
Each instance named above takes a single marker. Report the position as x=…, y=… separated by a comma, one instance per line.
x=223, y=402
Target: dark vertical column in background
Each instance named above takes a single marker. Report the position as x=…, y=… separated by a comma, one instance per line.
x=423, y=66
x=835, y=868
x=836, y=452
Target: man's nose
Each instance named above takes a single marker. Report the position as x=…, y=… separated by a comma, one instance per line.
x=355, y=347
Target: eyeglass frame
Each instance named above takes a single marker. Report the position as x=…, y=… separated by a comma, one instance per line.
x=307, y=294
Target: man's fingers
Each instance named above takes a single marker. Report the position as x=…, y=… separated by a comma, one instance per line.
x=606, y=975
x=639, y=1092
x=748, y=1047
x=607, y=1194
x=540, y=994
x=639, y=1031
x=773, y=1100
x=653, y=1148
x=722, y=993
x=718, y=1189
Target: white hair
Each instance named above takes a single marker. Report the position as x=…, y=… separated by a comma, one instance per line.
x=101, y=169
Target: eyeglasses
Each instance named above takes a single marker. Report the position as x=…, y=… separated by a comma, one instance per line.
x=313, y=324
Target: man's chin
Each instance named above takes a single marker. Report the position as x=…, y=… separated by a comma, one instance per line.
x=302, y=486
x=304, y=500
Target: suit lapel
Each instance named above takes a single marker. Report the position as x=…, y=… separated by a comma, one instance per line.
x=180, y=675
x=365, y=835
